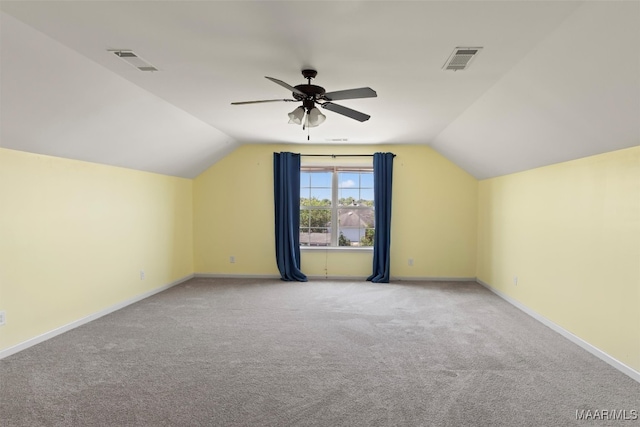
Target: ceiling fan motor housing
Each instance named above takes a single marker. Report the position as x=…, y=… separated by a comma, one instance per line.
x=311, y=92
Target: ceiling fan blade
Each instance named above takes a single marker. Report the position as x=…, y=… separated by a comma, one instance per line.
x=286, y=85
x=362, y=92
x=356, y=115
x=264, y=100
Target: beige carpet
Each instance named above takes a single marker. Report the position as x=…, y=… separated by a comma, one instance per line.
x=213, y=352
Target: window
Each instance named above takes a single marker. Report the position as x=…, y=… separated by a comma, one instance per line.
x=336, y=195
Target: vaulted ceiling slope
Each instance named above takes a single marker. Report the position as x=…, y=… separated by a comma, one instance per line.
x=554, y=81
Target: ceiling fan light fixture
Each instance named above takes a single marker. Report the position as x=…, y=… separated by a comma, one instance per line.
x=296, y=116
x=315, y=118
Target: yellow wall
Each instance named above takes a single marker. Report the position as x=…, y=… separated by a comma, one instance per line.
x=74, y=237
x=571, y=234
x=433, y=217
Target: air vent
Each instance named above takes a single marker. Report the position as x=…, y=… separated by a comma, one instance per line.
x=461, y=58
x=132, y=59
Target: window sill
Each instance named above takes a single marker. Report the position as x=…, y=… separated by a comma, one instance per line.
x=336, y=249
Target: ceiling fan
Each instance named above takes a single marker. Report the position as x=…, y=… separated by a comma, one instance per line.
x=308, y=114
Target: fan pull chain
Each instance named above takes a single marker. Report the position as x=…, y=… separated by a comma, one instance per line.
x=305, y=119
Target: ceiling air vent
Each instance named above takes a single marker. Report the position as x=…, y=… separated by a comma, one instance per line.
x=461, y=58
x=132, y=59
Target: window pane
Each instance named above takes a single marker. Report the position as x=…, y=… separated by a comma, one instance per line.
x=315, y=188
x=321, y=179
x=354, y=225
x=320, y=196
x=348, y=197
x=367, y=239
x=366, y=180
x=317, y=220
x=304, y=194
x=348, y=180
x=355, y=188
x=309, y=237
x=305, y=179
x=314, y=202
x=366, y=197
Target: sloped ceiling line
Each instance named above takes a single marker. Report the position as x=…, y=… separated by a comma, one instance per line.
x=524, y=102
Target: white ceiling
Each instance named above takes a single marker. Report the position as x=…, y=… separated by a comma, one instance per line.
x=555, y=81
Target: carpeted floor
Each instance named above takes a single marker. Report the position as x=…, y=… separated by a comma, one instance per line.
x=222, y=352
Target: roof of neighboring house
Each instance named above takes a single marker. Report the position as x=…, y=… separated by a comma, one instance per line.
x=315, y=239
x=355, y=218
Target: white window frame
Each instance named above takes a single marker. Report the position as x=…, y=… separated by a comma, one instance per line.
x=335, y=169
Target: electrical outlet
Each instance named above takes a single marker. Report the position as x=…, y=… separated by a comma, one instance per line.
x=3, y=318
x=410, y=262
x=232, y=259
x=142, y=275
x=515, y=280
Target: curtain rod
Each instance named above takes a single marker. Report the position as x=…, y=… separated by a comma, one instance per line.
x=338, y=155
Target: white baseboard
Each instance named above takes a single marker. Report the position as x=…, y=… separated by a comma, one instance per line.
x=435, y=279
x=62, y=329
x=398, y=278
x=271, y=276
x=627, y=370
x=331, y=277
x=234, y=276
x=351, y=278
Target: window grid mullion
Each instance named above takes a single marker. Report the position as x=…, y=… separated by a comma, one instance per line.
x=334, y=207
